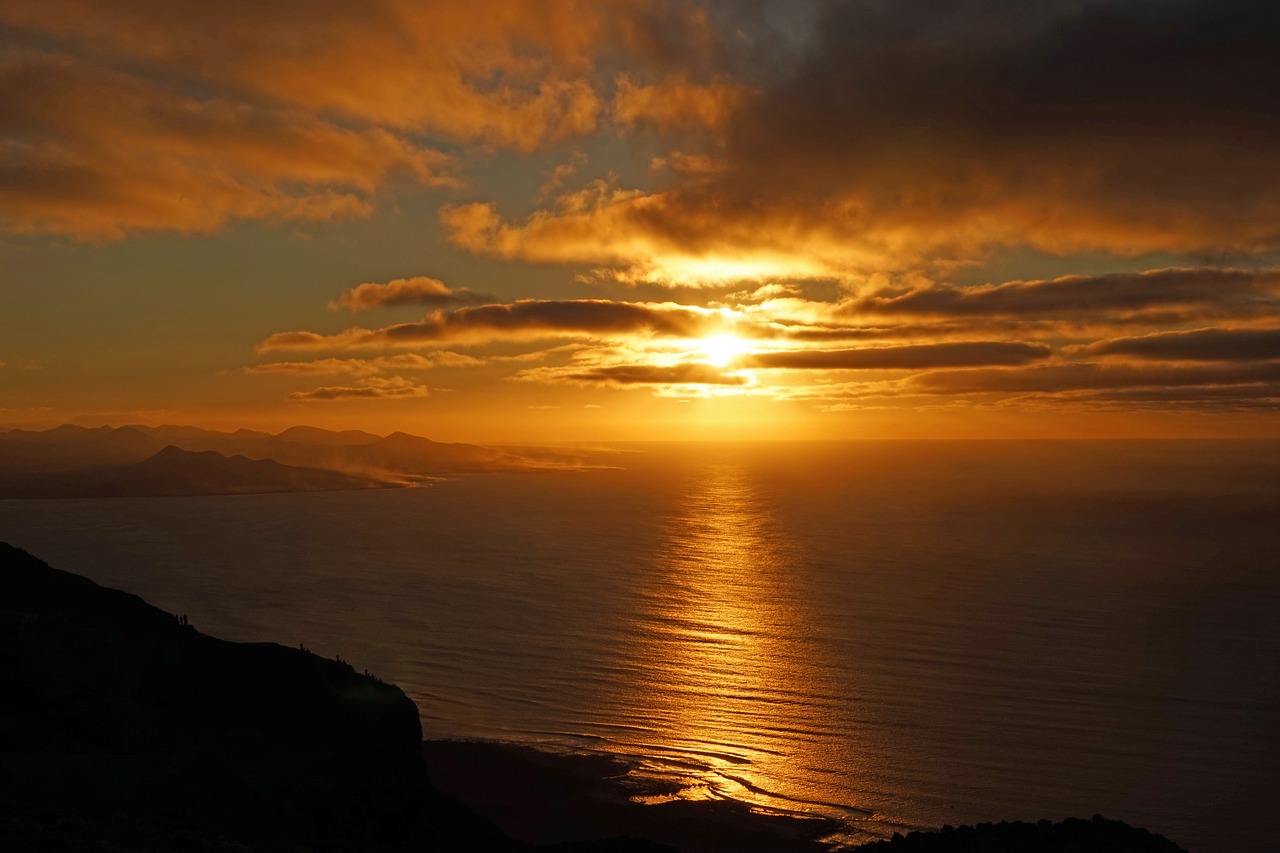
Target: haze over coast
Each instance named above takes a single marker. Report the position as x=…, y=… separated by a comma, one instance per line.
x=138, y=461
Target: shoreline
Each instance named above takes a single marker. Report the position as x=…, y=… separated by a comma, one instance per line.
x=542, y=795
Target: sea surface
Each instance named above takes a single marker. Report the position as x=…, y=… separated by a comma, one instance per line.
x=899, y=634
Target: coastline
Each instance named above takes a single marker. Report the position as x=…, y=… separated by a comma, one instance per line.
x=542, y=796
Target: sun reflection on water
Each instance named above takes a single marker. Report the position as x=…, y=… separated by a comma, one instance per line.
x=728, y=671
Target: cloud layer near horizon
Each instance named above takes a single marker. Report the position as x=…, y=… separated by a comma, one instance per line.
x=1066, y=337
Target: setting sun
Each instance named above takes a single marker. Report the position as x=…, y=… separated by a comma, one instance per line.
x=721, y=350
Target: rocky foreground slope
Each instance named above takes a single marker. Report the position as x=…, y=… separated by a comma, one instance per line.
x=119, y=724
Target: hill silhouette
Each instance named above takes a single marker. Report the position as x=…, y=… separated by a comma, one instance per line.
x=74, y=461
x=172, y=471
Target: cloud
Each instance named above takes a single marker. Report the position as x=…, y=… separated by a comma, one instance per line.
x=908, y=357
x=914, y=134
x=1212, y=344
x=819, y=332
x=635, y=236
x=127, y=117
x=560, y=173
x=392, y=388
x=1086, y=297
x=1052, y=378
x=1059, y=387
x=365, y=366
x=419, y=290
x=675, y=102
x=304, y=340
x=625, y=375
x=588, y=224
x=522, y=320
x=97, y=154
x=1197, y=396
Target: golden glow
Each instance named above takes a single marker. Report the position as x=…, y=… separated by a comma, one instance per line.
x=729, y=650
x=703, y=271
x=721, y=350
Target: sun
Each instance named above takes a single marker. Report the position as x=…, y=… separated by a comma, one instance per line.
x=720, y=350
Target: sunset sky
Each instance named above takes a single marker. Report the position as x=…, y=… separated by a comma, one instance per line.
x=561, y=220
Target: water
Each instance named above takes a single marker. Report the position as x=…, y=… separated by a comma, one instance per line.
x=897, y=634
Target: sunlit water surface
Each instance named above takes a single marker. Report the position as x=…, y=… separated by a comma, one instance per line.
x=897, y=634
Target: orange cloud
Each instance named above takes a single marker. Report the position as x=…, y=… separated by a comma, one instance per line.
x=1203, y=290
x=907, y=357
x=926, y=136
x=136, y=116
x=560, y=173
x=98, y=154
x=366, y=366
x=419, y=290
x=675, y=102
x=1211, y=344
x=1088, y=376
x=393, y=388
x=624, y=375
x=654, y=237
x=523, y=320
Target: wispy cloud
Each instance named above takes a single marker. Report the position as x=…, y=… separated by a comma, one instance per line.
x=366, y=366
x=123, y=153
x=392, y=388
x=676, y=102
x=1212, y=344
x=1089, y=298
x=907, y=357
x=1088, y=376
x=522, y=320
x=127, y=117
x=419, y=290
x=621, y=375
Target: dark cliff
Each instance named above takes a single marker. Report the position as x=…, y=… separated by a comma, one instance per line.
x=118, y=719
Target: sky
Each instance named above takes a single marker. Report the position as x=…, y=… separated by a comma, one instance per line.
x=570, y=220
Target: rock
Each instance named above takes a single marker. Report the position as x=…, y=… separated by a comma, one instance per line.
x=114, y=715
x=1073, y=835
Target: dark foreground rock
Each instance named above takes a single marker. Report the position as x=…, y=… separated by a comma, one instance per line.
x=1073, y=835
x=121, y=728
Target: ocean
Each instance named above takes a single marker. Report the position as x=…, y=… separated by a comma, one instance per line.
x=897, y=634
